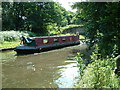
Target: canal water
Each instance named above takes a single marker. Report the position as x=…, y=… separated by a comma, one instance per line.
x=51, y=69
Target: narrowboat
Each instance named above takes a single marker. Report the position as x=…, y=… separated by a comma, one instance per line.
x=39, y=44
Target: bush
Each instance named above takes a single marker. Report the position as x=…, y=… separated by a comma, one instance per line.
x=53, y=29
x=11, y=35
x=70, y=26
x=99, y=73
x=1, y=39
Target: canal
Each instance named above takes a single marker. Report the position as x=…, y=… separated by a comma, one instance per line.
x=51, y=69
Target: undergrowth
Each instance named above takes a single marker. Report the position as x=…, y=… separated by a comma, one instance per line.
x=70, y=26
x=99, y=73
x=10, y=39
x=11, y=35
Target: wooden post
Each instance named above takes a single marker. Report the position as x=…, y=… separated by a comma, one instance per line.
x=117, y=70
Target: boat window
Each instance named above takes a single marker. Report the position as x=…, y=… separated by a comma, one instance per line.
x=63, y=39
x=45, y=41
x=55, y=40
x=71, y=38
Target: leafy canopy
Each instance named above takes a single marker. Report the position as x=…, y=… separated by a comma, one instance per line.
x=102, y=24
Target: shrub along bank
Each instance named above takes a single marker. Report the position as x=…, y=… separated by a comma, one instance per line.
x=99, y=73
x=9, y=39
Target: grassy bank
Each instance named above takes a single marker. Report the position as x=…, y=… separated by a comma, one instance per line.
x=10, y=39
x=7, y=44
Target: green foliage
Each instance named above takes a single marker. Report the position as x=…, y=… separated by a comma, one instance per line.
x=28, y=33
x=53, y=29
x=12, y=38
x=101, y=77
x=11, y=35
x=82, y=36
x=102, y=27
x=70, y=26
x=33, y=16
x=99, y=73
x=77, y=19
x=102, y=24
x=11, y=44
x=81, y=64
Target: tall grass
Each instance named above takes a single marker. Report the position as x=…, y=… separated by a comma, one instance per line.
x=11, y=35
x=10, y=39
x=99, y=73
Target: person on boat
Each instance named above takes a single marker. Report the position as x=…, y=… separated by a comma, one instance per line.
x=25, y=41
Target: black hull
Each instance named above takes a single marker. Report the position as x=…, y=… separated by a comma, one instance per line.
x=31, y=51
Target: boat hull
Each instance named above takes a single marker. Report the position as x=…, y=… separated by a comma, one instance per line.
x=38, y=49
x=27, y=51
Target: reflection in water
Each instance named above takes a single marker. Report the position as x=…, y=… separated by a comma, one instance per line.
x=69, y=76
x=31, y=66
x=44, y=70
x=7, y=56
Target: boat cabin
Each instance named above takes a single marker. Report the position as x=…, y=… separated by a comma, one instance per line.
x=49, y=40
x=38, y=44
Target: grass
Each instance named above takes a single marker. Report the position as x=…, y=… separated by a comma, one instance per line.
x=7, y=44
x=10, y=39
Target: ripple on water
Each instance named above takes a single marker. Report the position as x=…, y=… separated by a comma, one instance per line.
x=46, y=69
x=69, y=74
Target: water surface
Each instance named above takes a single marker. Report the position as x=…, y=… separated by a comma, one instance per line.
x=51, y=69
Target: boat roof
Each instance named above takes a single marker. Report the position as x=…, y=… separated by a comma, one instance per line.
x=51, y=36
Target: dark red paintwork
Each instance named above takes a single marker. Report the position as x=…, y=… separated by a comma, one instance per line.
x=39, y=40
x=37, y=44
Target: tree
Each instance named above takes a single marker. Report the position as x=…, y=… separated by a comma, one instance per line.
x=103, y=23
x=77, y=19
x=32, y=16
